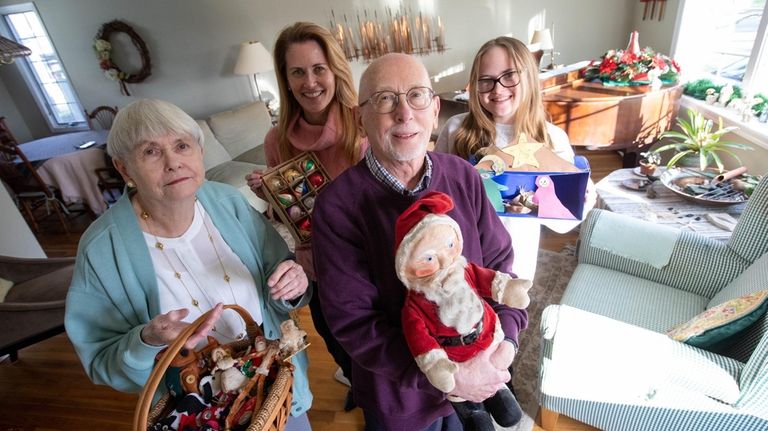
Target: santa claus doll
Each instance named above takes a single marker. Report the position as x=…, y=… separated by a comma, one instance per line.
x=446, y=317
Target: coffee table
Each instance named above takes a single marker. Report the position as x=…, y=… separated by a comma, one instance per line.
x=665, y=208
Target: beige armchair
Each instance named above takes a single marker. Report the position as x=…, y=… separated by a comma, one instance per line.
x=33, y=309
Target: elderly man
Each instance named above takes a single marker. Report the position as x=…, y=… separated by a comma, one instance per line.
x=353, y=228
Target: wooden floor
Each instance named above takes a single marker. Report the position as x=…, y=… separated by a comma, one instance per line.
x=47, y=389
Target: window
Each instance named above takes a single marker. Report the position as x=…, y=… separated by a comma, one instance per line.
x=43, y=71
x=724, y=40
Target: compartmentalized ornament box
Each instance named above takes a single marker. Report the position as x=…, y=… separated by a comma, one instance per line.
x=291, y=188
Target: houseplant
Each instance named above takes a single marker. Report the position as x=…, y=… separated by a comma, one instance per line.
x=650, y=161
x=699, y=142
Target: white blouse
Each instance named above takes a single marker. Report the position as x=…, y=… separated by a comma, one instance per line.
x=524, y=232
x=194, y=257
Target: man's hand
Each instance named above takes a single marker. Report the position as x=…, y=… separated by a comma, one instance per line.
x=164, y=328
x=478, y=378
x=502, y=357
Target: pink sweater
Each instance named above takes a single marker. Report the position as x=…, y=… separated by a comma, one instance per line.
x=323, y=141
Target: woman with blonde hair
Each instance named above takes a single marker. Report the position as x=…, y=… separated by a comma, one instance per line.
x=317, y=97
x=505, y=102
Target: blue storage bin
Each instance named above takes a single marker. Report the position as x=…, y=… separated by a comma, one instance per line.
x=570, y=187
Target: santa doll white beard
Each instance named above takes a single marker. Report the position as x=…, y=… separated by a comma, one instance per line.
x=459, y=306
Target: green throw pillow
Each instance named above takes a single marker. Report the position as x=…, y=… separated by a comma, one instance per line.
x=721, y=321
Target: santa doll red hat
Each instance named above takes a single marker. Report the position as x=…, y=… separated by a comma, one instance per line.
x=431, y=209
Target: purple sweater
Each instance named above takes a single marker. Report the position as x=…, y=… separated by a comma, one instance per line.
x=353, y=243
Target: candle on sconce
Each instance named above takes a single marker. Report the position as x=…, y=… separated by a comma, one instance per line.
x=377, y=33
x=441, y=33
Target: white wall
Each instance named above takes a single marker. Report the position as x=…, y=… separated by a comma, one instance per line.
x=194, y=43
x=16, y=239
x=654, y=33
x=13, y=118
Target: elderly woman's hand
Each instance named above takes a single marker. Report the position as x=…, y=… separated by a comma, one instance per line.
x=164, y=328
x=288, y=281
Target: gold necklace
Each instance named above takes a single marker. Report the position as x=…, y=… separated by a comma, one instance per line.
x=195, y=303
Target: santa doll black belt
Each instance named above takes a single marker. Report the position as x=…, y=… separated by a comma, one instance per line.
x=463, y=340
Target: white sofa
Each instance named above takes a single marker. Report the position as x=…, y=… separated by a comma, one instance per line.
x=234, y=146
x=234, y=143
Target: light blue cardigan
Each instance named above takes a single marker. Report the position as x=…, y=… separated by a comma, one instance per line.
x=114, y=290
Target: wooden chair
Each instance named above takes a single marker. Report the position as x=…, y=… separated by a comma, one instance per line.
x=101, y=118
x=29, y=190
x=6, y=137
x=110, y=181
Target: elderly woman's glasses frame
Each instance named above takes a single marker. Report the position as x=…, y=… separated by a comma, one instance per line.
x=385, y=102
x=507, y=80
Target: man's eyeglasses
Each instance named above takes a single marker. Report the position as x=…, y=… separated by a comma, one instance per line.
x=384, y=102
x=507, y=80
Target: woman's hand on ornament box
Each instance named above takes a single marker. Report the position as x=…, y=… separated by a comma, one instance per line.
x=255, y=182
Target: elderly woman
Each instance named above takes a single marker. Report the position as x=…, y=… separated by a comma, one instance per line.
x=172, y=248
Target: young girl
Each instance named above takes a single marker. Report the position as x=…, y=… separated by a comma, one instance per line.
x=317, y=96
x=505, y=101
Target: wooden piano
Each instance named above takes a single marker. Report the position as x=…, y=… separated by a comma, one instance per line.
x=598, y=117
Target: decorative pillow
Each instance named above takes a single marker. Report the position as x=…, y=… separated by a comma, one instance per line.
x=720, y=322
x=214, y=153
x=5, y=287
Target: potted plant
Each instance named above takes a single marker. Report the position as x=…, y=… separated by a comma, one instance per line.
x=697, y=145
x=650, y=161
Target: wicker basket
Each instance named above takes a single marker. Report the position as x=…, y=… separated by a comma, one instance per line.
x=272, y=408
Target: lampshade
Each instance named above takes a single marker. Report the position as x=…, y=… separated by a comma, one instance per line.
x=253, y=58
x=10, y=49
x=543, y=38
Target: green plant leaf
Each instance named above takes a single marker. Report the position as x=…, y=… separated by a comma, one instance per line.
x=676, y=158
x=718, y=162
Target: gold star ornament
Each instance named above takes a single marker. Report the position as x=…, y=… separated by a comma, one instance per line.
x=523, y=152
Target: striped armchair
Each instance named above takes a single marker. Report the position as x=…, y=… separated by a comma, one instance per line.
x=606, y=360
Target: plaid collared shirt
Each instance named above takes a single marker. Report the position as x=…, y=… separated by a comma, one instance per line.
x=385, y=177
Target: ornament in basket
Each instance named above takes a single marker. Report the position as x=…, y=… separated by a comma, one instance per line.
x=244, y=385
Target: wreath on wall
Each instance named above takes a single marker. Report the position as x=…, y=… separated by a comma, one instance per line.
x=103, y=49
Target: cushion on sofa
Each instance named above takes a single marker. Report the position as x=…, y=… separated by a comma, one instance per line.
x=254, y=155
x=592, y=357
x=721, y=321
x=242, y=129
x=5, y=287
x=232, y=173
x=753, y=279
x=44, y=288
x=630, y=299
x=214, y=153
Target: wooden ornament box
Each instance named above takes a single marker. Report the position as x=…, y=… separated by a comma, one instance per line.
x=291, y=188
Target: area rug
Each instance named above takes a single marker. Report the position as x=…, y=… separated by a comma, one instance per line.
x=553, y=271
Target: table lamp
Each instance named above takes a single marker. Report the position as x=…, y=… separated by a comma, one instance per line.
x=544, y=39
x=252, y=60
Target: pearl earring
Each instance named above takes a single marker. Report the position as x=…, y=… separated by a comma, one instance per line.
x=130, y=184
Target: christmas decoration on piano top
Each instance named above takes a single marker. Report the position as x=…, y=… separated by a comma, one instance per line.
x=633, y=66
